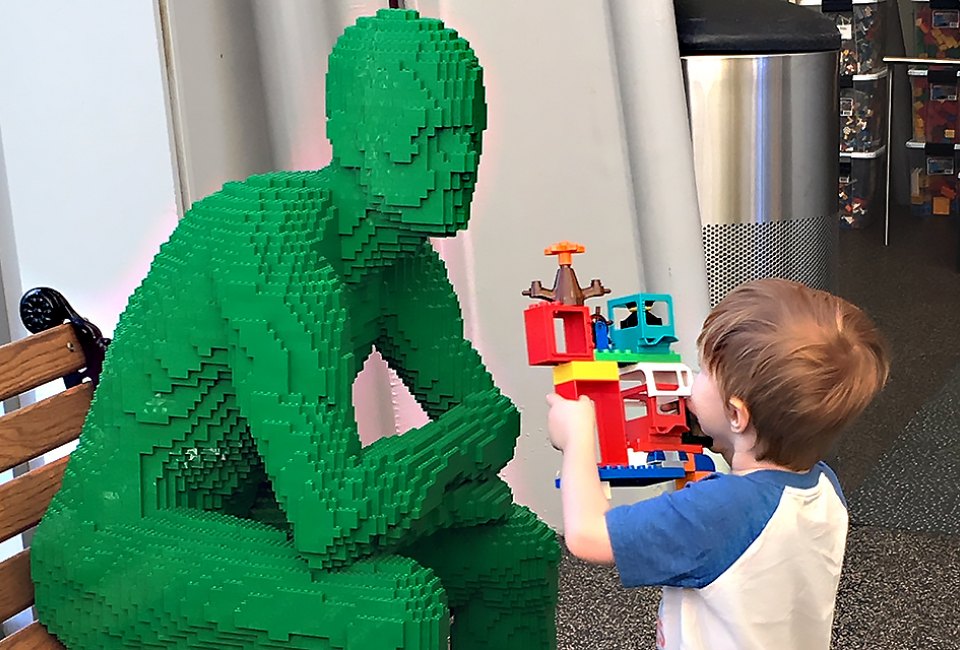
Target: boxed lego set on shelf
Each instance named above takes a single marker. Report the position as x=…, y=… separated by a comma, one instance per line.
x=933, y=154
x=864, y=87
x=936, y=29
x=933, y=178
x=863, y=103
x=935, y=106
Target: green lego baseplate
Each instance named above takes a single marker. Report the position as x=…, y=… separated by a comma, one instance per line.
x=219, y=496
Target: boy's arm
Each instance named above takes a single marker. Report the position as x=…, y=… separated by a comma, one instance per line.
x=679, y=539
x=571, y=425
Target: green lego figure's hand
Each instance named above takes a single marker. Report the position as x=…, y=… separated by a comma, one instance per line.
x=422, y=339
x=475, y=502
x=450, y=462
x=487, y=441
x=485, y=497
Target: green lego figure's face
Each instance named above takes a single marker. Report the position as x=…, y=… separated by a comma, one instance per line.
x=431, y=193
x=405, y=103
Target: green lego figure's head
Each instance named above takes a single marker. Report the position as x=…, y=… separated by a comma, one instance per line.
x=405, y=108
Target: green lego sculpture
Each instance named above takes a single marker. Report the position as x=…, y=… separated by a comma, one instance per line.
x=219, y=496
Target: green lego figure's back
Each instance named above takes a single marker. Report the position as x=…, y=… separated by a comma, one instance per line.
x=219, y=496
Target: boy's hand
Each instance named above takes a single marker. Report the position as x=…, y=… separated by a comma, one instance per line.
x=572, y=425
x=571, y=422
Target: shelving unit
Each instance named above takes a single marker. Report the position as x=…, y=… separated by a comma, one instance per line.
x=864, y=104
x=934, y=73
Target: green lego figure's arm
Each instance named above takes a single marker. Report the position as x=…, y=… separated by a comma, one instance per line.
x=422, y=340
x=293, y=380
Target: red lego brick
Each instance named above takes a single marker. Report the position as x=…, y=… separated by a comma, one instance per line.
x=656, y=430
x=611, y=421
x=542, y=348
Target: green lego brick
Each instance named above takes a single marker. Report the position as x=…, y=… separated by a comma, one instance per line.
x=634, y=357
x=219, y=495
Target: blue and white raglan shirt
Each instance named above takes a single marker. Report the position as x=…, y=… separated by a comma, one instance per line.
x=747, y=562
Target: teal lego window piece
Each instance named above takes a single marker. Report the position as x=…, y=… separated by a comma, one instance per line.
x=652, y=333
x=219, y=495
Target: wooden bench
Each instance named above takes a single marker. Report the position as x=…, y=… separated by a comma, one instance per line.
x=62, y=345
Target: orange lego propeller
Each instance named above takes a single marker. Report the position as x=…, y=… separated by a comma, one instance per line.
x=565, y=250
x=566, y=289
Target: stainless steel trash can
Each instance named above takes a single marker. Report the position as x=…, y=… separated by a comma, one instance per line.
x=761, y=84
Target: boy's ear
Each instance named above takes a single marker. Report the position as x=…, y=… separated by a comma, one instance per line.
x=738, y=414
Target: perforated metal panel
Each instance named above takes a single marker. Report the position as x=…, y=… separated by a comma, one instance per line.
x=804, y=250
x=766, y=165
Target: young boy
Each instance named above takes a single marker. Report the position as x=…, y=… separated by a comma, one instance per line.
x=748, y=560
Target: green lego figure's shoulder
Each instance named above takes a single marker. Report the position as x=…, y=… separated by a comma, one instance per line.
x=276, y=197
x=244, y=215
x=231, y=234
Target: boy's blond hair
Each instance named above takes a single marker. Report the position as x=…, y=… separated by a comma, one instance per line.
x=805, y=363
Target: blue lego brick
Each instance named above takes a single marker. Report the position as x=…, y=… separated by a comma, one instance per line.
x=637, y=475
x=704, y=463
x=601, y=336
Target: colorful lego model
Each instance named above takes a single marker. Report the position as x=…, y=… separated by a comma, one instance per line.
x=219, y=496
x=637, y=383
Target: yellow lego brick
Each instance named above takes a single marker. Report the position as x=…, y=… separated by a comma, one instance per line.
x=586, y=371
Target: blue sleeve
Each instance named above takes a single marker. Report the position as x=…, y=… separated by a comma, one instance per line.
x=689, y=537
x=830, y=474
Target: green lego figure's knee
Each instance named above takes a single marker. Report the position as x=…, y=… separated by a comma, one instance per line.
x=501, y=581
x=187, y=579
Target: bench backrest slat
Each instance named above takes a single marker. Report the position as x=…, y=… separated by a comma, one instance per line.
x=24, y=499
x=16, y=589
x=38, y=359
x=41, y=427
x=28, y=433
x=32, y=637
